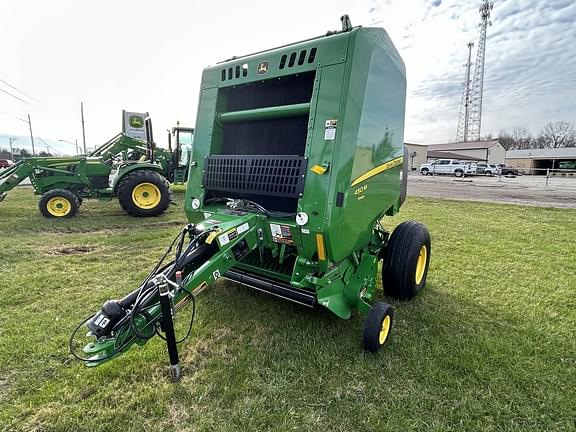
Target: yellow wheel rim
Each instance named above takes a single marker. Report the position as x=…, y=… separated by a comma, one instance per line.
x=59, y=206
x=421, y=264
x=385, y=330
x=146, y=195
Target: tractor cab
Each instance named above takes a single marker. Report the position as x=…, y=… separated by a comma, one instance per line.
x=183, y=137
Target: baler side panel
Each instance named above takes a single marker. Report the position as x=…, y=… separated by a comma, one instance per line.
x=206, y=133
x=319, y=151
x=372, y=135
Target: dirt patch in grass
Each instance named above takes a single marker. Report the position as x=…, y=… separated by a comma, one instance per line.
x=74, y=250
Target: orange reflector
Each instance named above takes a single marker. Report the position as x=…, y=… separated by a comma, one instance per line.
x=320, y=246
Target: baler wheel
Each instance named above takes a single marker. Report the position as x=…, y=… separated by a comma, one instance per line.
x=406, y=261
x=144, y=193
x=58, y=203
x=377, y=326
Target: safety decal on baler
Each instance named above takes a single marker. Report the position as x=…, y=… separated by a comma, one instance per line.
x=281, y=234
x=330, y=130
x=227, y=237
x=243, y=228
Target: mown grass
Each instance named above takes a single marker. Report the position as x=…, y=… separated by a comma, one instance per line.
x=489, y=344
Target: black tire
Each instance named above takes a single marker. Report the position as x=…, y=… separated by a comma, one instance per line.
x=459, y=173
x=154, y=202
x=406, y=260
x=424, y=171
x=488, y=173
x=58, y=203
x=376, y=330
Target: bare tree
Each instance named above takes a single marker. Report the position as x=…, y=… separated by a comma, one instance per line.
x=519, y=139
x=559, y=134
x=507, y=140
x=522, y=138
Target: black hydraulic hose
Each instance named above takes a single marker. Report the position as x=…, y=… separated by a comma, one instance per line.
x=139, y=299
x=139, y=302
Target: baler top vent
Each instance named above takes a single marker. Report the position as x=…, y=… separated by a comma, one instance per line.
x=301, y=58
x=235, y=72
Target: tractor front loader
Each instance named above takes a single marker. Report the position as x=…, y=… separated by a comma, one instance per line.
x=132, y=170
x=298, y=156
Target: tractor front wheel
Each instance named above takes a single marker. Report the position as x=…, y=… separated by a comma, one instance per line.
x=58, y=203
x=377, y=326
x=406, y=261
x=144, y=193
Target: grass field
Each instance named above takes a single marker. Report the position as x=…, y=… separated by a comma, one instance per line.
x=489, y=345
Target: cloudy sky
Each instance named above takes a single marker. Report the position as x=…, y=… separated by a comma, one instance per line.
x=148, y=56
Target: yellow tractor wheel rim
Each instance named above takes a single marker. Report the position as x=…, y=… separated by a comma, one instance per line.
x=421, y=264
x=146, y=195
x=59, y=206
x=385, y=330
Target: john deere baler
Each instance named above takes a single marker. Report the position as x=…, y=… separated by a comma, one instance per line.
x=298, y=155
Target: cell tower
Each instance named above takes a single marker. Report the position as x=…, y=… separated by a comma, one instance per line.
x=464, y=119
x=470, y=122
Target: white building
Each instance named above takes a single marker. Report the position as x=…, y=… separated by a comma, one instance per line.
x=417, y=155
x=487, y=151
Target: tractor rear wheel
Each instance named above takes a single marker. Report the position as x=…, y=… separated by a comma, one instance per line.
x=58, y=203
x=406, y=261
x=144, y=193
x=377, y=326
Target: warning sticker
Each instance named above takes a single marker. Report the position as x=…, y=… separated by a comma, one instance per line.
x=281, y=234
x=223, y=239
x=232, y=234
x=330, y=130
x=243, y=228
x=227, y=237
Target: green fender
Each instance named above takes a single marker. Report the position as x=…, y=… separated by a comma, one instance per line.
x=128, y=168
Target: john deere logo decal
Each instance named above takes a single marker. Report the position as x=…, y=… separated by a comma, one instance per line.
x=136, y=121
x=262, y=67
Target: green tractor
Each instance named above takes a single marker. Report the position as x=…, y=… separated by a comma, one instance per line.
x=298, y=156
x=135, y=171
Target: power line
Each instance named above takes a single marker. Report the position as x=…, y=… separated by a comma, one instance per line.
x=19, y=91
x=15, y=97
x=48, y=145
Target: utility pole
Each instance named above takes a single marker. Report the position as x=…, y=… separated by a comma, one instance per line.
x=11, y=149
x=31, y=136
x=83, y=130
x=75, y=143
